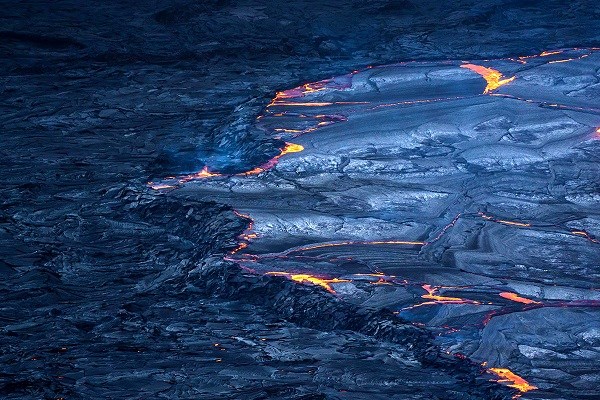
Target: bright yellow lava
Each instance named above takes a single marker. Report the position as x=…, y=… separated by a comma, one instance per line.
x=492, y=77
x=291, y=148
x=505, y=375
x=302, y=278
x=205, y=173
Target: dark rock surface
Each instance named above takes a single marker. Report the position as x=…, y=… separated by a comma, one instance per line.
x=113, y=290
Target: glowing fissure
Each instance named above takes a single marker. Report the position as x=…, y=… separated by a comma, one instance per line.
x=348, y=243
x=412, y=102
x=530, y=304
x=546, y=105
x=493, y=77
x=445, y=229
x=247, y=235
x=323, y=120
x=568, y=59
x=289, y=148
x=585, y=235
x=519, y=224
x=206, y=173
x=522, y=59
x=549, y=53
x=504, y=221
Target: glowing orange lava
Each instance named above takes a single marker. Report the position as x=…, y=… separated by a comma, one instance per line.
x=437, y=299
x=444, y=299
x=492, y=77
x=549, y=53
x=302, y=278
x=517, y=298
x=448, y=226
x=247, y=235
x=568, y=59
x=205, y=173
x=381, y=281
x=513, y=380
x=289, y=148
x=504, y=221
x=514, y=223
x=522, y=59
x=585, y=235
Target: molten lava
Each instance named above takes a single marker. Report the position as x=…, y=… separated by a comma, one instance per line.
x=381, y=281
x=445, y=228
x=585, y=235
x=431, y=294
x=513, y=380
x=437, y=299
x=247, y=235
x=205, y=173
x=302, y=278
x=517, y=298
x=492, y=77
x=299, y=91
x=514, y=223
x=289, y=148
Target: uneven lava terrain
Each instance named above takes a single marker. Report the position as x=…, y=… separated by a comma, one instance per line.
x=182, y=217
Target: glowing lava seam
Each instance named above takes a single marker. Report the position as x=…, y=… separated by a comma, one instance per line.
x=364, y=242
x=517, y=298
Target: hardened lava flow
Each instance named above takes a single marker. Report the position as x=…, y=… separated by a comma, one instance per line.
x=466, y=207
